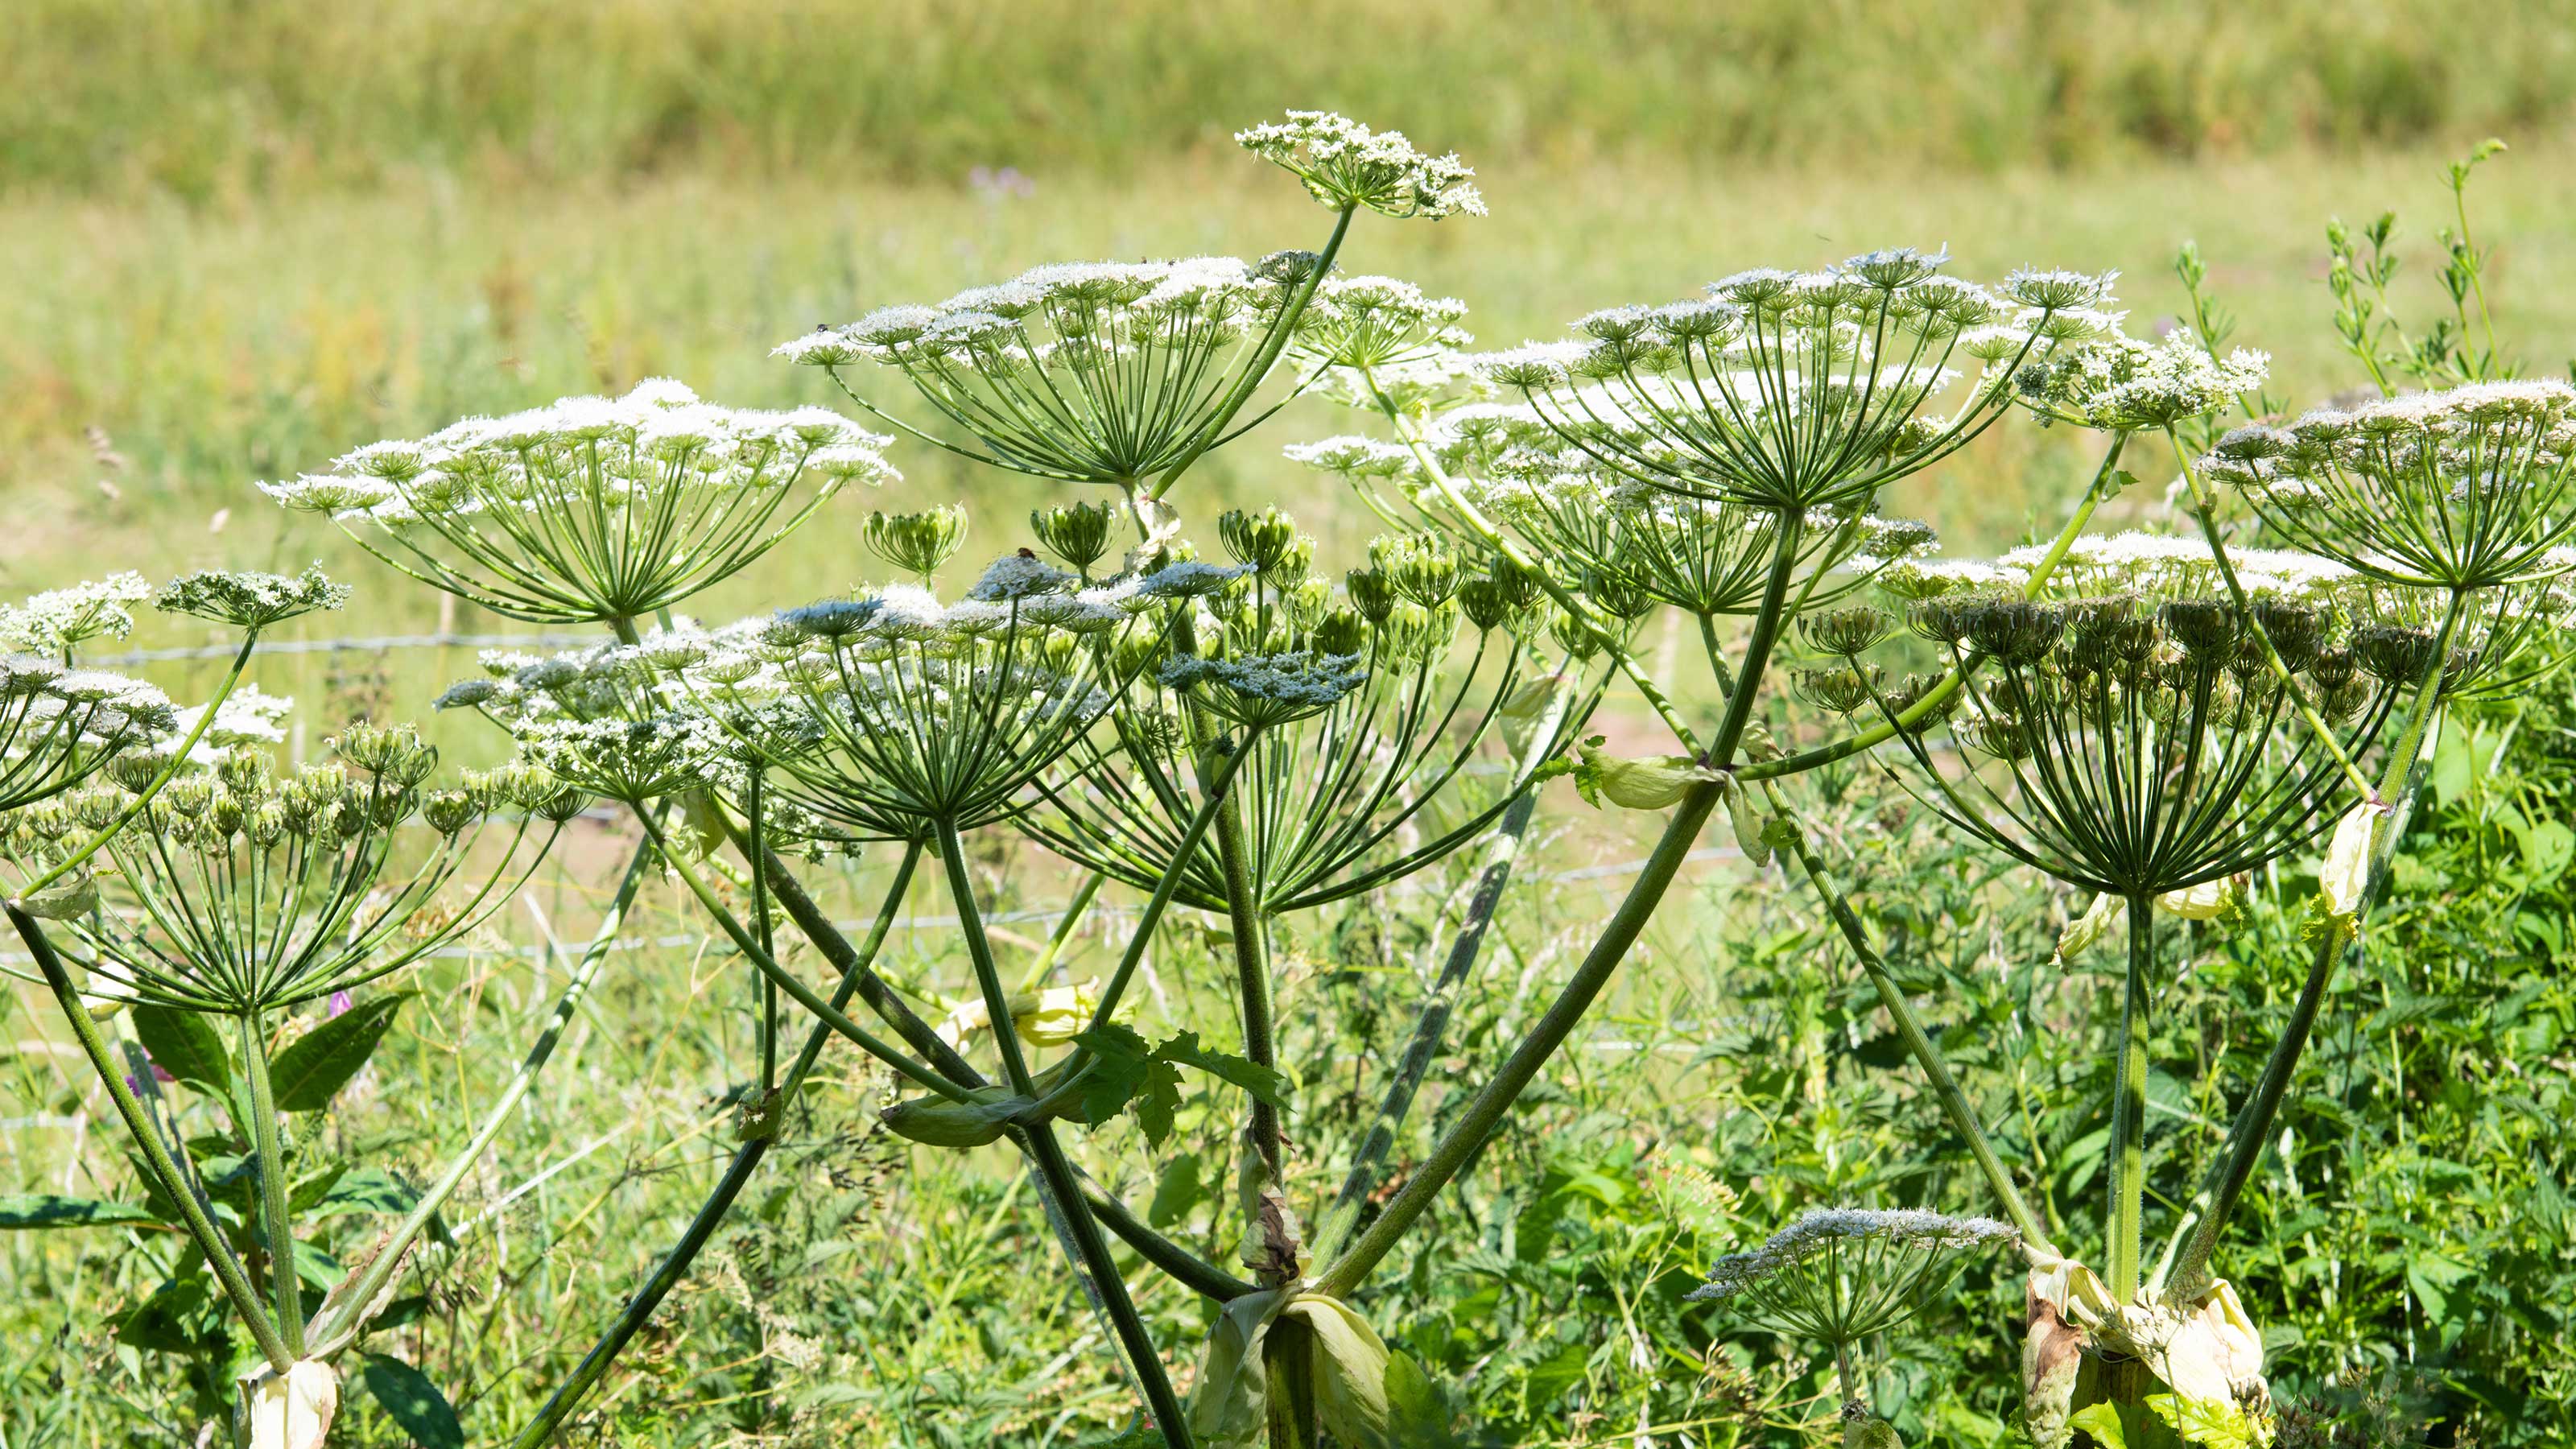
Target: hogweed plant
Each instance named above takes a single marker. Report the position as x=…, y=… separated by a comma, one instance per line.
x=2150, y=717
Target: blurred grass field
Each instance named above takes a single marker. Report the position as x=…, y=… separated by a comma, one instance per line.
x=249, y=236
x=253, y=236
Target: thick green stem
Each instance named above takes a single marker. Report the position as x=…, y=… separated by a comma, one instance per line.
x=1563, y=1014
x=806, y=996
x=1252, y=980
x=1212, y=802
x=1746, y=686
x=675, y=1264
x=2125, y=1219
x=1430, y=1029
x=2188, y=1275
x=1064, y=1186
x=1485, y=1111
x=1945, y=1086
x=979, y=955
x=275, y=1222
x=1178, y=1263
x=816, y=924
x=174, y=1183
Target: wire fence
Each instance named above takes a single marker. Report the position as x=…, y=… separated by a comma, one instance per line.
x=370, y=644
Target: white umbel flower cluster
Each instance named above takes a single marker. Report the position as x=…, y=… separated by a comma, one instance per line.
x=60, y=620
x=248, y=599
x=2120, y=383
x=592, y=508
x=2469, y=488
x=1841, y=1274
x=2170, y=566
x=1791, y=390
x=1263, y=690
x=1378, y=322
x=1345, y=165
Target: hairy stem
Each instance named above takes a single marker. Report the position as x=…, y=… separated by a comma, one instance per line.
x=1433, y=1025
x=1945, y=1086
x=816, y=925
x=806, y=996
x=1252, y=980
x=1486, y=1110
x=2188, y=1275
x=2123, y=1224
x=275, y=1222
x=1178, y=1263
x=1064, y=1187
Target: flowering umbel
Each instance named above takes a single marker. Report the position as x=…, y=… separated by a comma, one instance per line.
x=591, y=509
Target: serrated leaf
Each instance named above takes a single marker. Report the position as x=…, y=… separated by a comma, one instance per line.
x=186, y=1045
x=1265, y=1083
x=1158, y=1100
x=24, y=1211
x=413, y=1402
x=1118, y=1069
x=315, y=1066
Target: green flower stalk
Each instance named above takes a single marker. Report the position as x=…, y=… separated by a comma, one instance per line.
x=243, y=895
x=1370, y=715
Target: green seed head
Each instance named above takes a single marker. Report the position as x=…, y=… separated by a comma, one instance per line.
x=1077, y=533
x=917, y=543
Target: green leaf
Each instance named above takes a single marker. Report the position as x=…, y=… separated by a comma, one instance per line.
x=186, y=1045
x=1417, y=1414
x=53, y=1210
x=1158, y=1100
x=413, y=1402
x=2214, y=1423
x=315, y=1066
x=1176, y=1191
x=1118, y=1069
x=1147, y=1080
x=1558, y=1372
x=2432, y=1275
x=367, y=1190
x=2102, y=1421
x=1265, y=1083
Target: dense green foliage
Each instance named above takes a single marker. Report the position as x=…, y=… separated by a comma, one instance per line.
x=2411, y=1240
